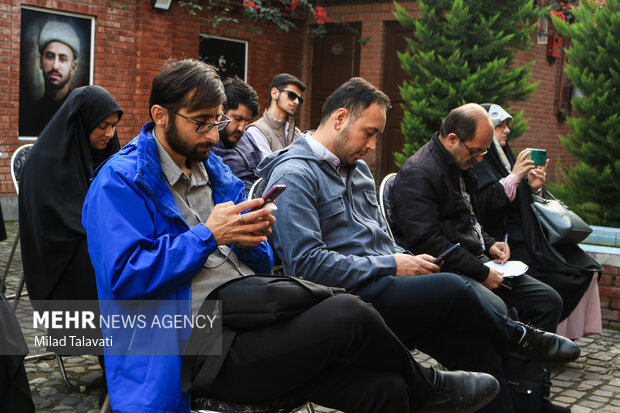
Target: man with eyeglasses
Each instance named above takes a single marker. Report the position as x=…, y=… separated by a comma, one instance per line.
x=166, y=222
x=276, y=129
x=434, y=205
x=236, y=149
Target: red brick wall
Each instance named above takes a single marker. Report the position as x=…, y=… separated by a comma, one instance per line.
x=132, y=41
x=609, y=289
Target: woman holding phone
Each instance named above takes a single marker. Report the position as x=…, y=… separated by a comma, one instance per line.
x=505, y=187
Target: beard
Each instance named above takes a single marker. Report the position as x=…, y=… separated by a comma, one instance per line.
x=226, y=141
x=342, y=151
x=182, y=146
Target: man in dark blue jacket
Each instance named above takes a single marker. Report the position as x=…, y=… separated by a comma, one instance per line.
x=165, y=221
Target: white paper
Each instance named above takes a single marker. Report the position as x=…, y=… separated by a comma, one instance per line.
x=509, y=268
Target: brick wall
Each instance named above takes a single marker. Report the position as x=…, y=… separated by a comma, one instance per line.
x=132, y=41
x=609, y=289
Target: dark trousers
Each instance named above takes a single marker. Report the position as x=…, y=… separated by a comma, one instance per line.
x=443, y=316
x=339, y=353
x=536, y=302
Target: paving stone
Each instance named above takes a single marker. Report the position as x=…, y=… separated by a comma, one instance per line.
x=47, y=391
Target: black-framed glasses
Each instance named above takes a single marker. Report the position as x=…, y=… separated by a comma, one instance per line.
x=203, y=127
x=474, y=152
x=292, y=95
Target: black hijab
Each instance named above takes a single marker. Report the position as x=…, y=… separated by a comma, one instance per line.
x=53, y=185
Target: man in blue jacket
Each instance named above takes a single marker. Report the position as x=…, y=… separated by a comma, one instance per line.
x=166, y=221
x=330, y=231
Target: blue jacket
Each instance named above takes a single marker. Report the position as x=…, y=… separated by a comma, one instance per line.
x=327, y=232
x=141, y=248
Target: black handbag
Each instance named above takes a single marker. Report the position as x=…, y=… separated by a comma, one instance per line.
x=528, y=383
x=247, y=303
x=560, y=224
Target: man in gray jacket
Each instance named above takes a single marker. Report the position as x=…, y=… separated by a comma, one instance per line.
x=276, y=128
x=330, y=231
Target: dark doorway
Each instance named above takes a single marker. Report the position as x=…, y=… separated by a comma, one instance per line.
x=335, y=59
x=393, y=77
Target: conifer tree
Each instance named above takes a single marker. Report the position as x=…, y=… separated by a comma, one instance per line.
x=463, y=51
x=592, y=189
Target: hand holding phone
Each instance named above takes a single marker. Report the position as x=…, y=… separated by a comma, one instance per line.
x=271, y=195
x=446, y=253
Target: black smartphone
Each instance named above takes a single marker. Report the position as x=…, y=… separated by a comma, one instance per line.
x=271, y=195
x=446, y=253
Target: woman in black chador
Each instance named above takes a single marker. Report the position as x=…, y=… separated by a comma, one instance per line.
x=505, y=186
x=54, y=182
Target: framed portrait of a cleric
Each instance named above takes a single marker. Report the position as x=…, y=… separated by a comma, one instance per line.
x=228, y=56
x=56, y=56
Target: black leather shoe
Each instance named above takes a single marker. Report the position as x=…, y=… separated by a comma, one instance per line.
x=460, y=391
x=543, y=347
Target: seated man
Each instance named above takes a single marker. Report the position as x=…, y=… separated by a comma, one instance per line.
x=162, y=217
x=435, y=205
x=330, y=231
x=235, y=147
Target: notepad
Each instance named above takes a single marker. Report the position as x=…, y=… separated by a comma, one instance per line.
x=509, y=268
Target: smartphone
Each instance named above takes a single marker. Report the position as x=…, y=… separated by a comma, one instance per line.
x=539, y=156
x=271, y=195
x=446, y=253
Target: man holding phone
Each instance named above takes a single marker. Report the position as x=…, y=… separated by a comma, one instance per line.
x=330, y=231
x=435, y=204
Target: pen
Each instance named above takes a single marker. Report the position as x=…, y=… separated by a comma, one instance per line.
x=505, y=245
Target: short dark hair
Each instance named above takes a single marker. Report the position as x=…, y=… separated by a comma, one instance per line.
x=461, y=121
x=284, y=79
x=356, y=95
x=238, y=92
x=173, y=85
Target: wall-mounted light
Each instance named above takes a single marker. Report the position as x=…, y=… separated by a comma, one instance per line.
x=162, y=4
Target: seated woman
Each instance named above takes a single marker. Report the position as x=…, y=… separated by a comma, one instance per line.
x=53, y=184
x=505, y=186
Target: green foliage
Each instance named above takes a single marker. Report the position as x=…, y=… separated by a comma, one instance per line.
x=594, y=68
x=463, y=52
x=281, y=13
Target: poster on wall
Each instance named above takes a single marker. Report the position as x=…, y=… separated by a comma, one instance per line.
x=55, y=58
x=228, y=56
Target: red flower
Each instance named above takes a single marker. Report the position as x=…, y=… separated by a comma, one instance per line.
x=320, y=15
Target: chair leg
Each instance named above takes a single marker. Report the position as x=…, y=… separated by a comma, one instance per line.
x=106, y=407
x=70, y=385
x=18, y=295
x=9, y=261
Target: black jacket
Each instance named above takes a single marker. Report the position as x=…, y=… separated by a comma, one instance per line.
x=430, y=214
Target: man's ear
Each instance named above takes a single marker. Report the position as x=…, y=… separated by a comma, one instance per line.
x=452, y=140
x=341, y=116
x=73, y=67
x=159, y=115
x=274, y=93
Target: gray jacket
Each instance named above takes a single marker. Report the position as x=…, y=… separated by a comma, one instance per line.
x=327, y=232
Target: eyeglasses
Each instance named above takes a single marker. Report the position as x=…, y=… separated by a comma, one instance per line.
x=204, y=127
x=474, y=152
x=292, y=95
